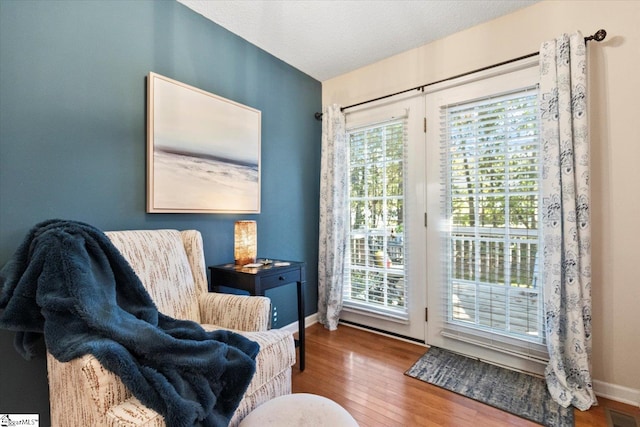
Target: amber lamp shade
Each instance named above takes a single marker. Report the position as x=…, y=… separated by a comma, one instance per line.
x=245, y=242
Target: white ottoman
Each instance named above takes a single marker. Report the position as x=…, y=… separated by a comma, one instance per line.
x=299, y=410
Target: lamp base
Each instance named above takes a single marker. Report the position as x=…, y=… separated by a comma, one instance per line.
x=245, y=261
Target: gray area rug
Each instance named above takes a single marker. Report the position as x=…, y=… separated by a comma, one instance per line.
x=517, y=393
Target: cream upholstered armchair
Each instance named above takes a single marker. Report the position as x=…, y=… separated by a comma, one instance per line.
x=171, y=266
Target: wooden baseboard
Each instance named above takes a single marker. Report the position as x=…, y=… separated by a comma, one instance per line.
x=616, y=392
x=308, y=321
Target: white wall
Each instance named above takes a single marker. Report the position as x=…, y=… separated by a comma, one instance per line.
x=615, y=137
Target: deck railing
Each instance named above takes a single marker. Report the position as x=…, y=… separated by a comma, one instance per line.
x=493, y=280
x=376, y=270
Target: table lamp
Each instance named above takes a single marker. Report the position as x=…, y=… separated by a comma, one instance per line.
x=245, y=242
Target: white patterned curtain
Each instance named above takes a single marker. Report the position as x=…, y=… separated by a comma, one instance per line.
x=566, y=220
x=333, y=209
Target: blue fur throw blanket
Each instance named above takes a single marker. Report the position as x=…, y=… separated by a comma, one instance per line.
x=68, y=282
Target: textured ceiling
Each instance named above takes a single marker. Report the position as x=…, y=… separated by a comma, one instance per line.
x=326, y=38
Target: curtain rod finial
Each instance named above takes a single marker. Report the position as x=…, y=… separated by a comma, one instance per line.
x=598, y=36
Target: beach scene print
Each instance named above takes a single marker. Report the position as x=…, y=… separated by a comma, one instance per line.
x=205, y=151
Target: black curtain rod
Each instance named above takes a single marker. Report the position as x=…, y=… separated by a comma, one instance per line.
x=598, y=36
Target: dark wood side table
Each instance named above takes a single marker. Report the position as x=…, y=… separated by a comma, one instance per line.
x=257, y=280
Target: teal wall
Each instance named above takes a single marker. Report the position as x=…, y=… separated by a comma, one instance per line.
x=72, y=137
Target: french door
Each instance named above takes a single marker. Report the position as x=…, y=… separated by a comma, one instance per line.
x=483, y=169
x=385, y=281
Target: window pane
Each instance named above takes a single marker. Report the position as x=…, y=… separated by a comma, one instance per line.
x=357, y=182
x=492, y=260
x=376, y=262
x=492, y=158
x=374, y=149
x=358, y=288
x=463, y=302
x=523, y=310
x=358, y=214
x=375, y=180
x=356, y=149
x=395, y=178
x=395, y=213
x=358, y=251
x=375, y=213
x=463, y=258
x=492, y=307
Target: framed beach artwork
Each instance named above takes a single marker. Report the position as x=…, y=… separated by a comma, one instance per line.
x=203, y=151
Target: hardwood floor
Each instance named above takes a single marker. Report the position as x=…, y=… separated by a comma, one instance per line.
x=364, y=372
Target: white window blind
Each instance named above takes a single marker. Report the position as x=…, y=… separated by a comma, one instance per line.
x=491, y=166
x=376, y=262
